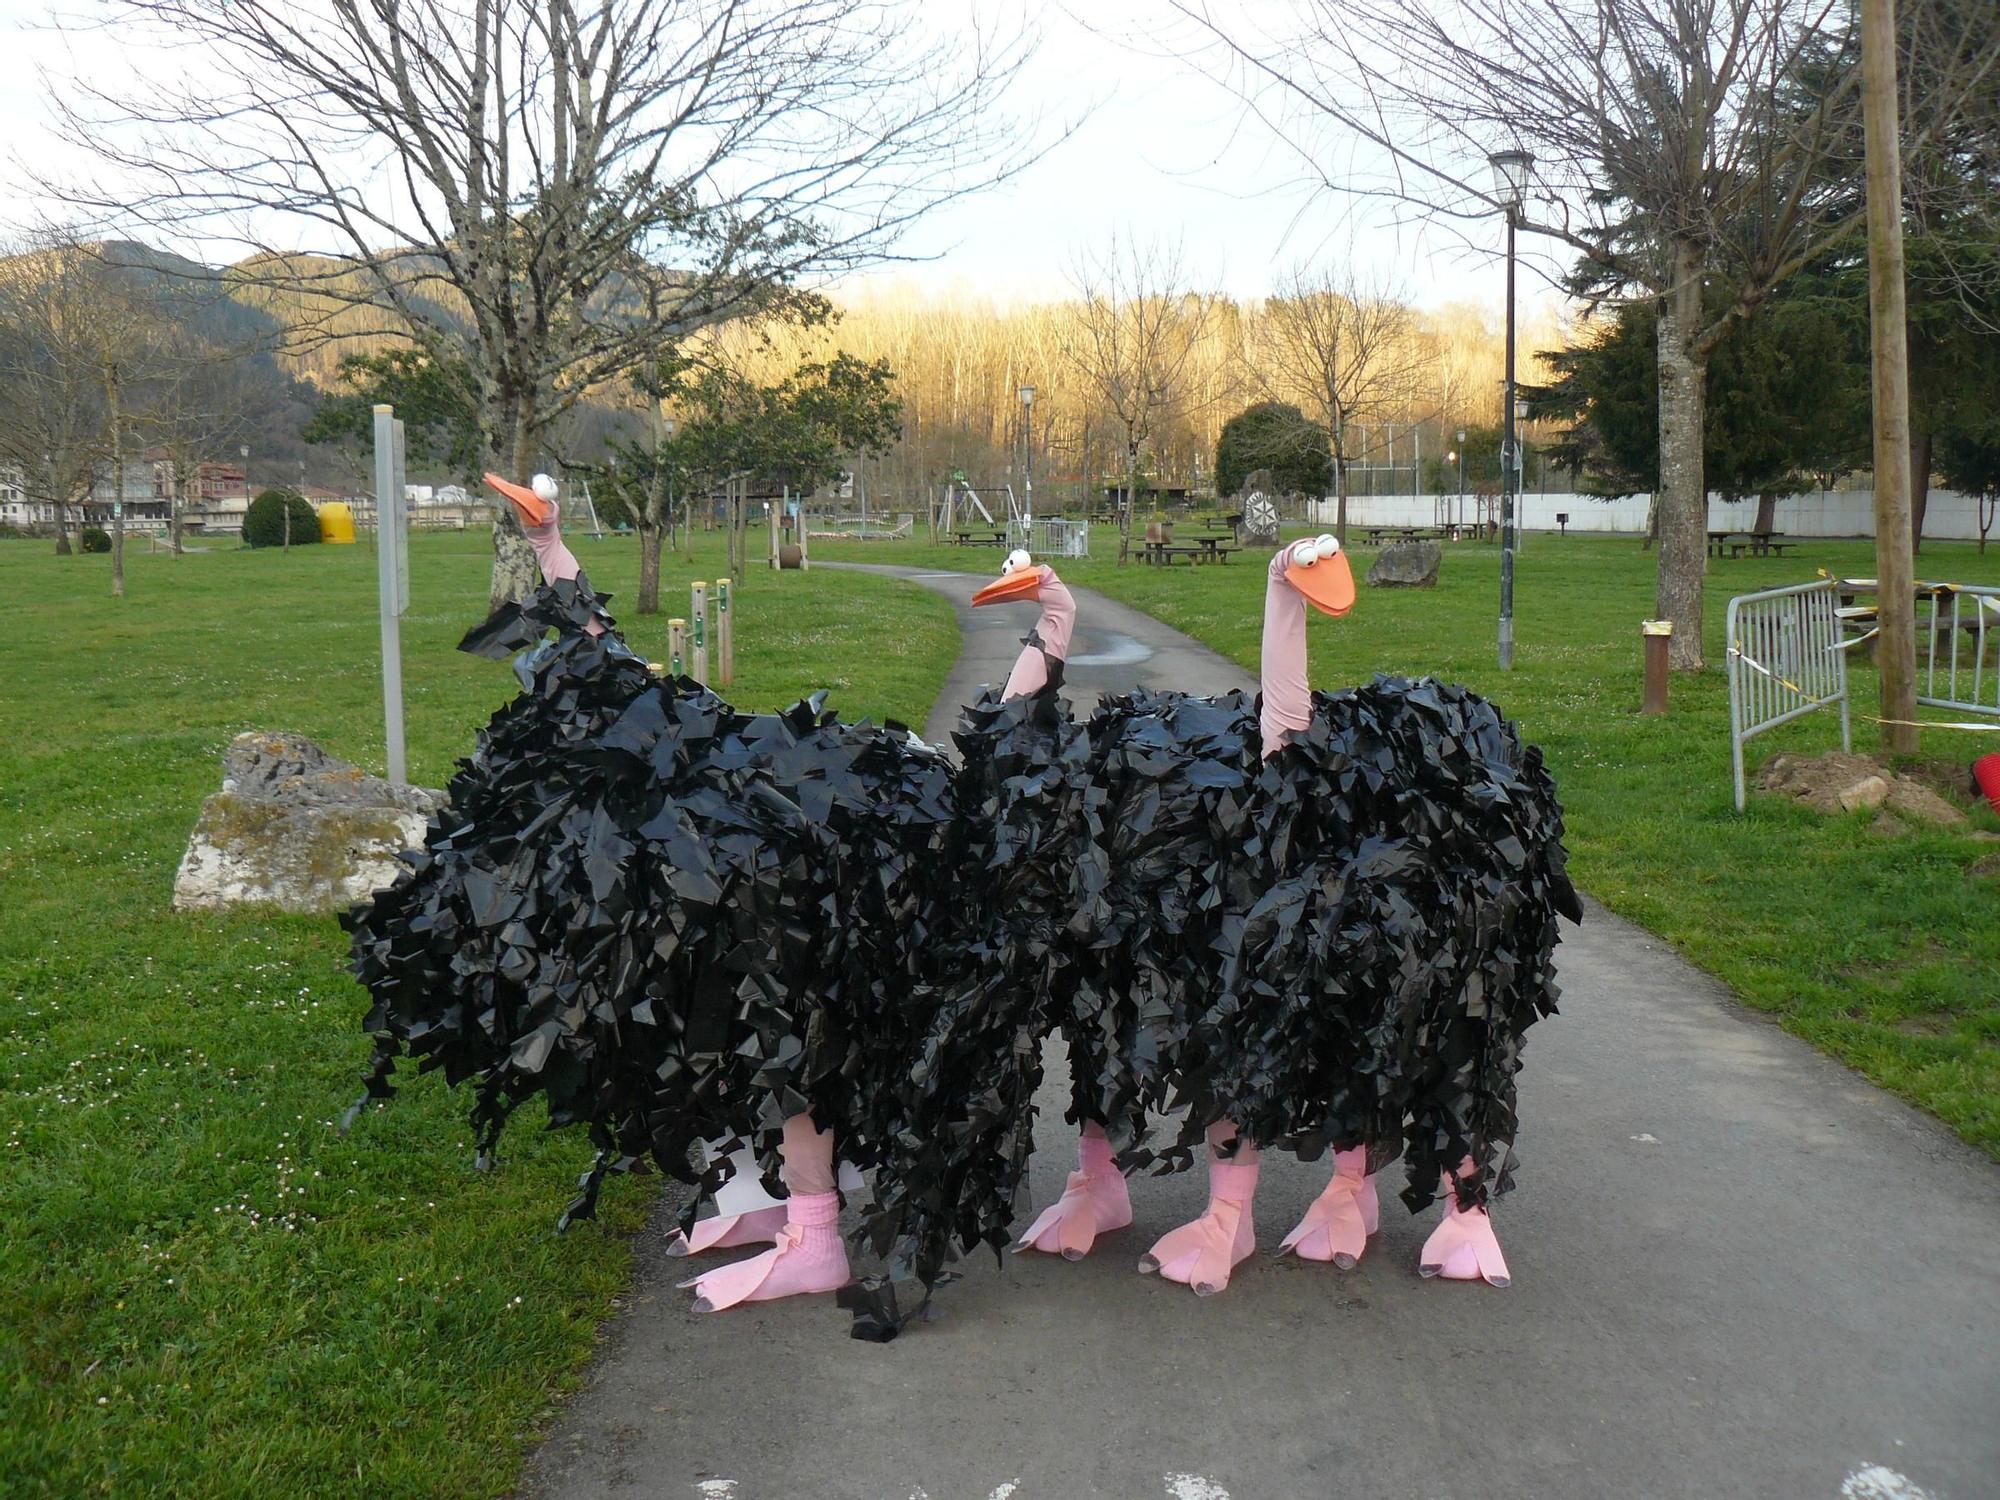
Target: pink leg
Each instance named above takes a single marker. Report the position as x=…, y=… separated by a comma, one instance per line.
x=809, y=1256
x=1203, y=1253
x=1463, y=1247
x=745, y=1214
x=1094, y=1202
x=1338, y=1224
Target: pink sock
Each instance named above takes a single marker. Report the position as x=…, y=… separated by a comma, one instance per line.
x=1203, y=1253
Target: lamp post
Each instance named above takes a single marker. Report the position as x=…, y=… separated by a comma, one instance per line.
x=1028, y=452
x=1510, y=187
x=1458, y=519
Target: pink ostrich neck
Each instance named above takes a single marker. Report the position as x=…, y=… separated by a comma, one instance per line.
x=1031, y=669
x=557, y=561
x=1287, y=706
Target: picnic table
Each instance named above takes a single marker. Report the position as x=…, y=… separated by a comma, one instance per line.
x=1756, y=543
x=977, y=538
x=1196, y=549
x=1372, y=535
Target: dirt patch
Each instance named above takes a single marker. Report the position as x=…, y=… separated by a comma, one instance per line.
x=1839, y=782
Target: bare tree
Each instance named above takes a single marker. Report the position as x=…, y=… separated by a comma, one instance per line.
x=1346, y=349
x=51, y=390
x=550, y=191
x=1697, y=152
x=1133, y=340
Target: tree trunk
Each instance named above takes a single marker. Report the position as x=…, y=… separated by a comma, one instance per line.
x=1767, y=513
x=175, y=508
x=1131, y=496
x=1895, y=596
x=651, y=534
x=1920, y=487
x=515, y=573
x=61, y=509
x=1652, y=522
x=1683, y=498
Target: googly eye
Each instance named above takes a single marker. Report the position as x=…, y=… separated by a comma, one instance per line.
x=1327, y=543
x=544, y=487
x=1305, y=554
x=1016, y=560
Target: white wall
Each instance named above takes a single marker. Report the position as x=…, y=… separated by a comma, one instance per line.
x=1949, y=516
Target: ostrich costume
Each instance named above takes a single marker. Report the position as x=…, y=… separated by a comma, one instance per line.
x=1029, y=870
x=1409, y=868
x=674, y=921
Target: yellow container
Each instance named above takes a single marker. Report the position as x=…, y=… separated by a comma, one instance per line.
x=336, y=522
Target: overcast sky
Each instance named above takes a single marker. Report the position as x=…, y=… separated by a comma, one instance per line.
x=1160, y=152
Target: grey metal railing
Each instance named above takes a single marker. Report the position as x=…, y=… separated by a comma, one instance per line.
x=1962, y=657
x=1785, y=660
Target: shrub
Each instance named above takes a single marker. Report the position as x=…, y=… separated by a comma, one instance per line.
x=264, y=521
x=94, y=539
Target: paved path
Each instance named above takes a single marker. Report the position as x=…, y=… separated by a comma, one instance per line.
x=1739, y=1271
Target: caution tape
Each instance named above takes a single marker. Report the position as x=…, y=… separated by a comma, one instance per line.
x=1756, y=666
x=1933, y=724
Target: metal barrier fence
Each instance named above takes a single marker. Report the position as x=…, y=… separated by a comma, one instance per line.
x=1050, y=536
x=1962, y=614
x=1785, y=660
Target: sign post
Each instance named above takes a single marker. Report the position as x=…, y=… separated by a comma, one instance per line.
x=698, y=627
x=725, y=638
x=677, y=642
x=392, y=569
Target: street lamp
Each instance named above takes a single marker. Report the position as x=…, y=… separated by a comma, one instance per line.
x=1460, y=517
x=1510, y=188
x=1028, y=450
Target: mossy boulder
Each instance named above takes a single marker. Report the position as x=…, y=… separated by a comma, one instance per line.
x=297, y=829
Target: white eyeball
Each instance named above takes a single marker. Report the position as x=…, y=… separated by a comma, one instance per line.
x=1016, y=560
x=544, y=487
x=1327, y=543
x=1305, y=554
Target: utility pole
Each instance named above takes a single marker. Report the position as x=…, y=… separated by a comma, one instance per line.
x=1895, y=598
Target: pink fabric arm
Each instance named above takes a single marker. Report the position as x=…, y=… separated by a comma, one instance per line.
x=556, y=560
x=1031, y=668
x=1287, y=705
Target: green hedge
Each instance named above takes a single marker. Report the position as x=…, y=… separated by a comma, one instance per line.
x=264, y=521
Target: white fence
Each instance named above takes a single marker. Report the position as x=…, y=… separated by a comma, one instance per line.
x=1949, y=516
x=1785, y=660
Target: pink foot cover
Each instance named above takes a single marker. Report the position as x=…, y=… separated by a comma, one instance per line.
x=808, y=1258
x=726, y=1231
x=1463, y=1247
x=1094, y=1202
x=1338, y=1224
x=1202, y=1254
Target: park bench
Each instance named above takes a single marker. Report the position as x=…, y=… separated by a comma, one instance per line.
x=979, y=538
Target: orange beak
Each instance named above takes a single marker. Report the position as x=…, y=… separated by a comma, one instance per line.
x=1022, y=583
x=533, y=509
x=1328, y=584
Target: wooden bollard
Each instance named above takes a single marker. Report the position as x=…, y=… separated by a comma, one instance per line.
x=1659, y=636
x=771, y=515
x=725, y=637
x=698, y=634
x=677, y=641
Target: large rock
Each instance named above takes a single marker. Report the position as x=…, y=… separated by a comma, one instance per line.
x=294, y=828
x=1407, y=565
x=1259, y=526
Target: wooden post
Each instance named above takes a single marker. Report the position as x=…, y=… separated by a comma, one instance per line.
x=1659, y=636
x=771, y=515
x=698, y=634
x=677, y=632
x=805, y=557
x=1895, y=569
x=725, y=643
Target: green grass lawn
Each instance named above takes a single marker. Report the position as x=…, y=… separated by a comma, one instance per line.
x=207, y=1289
x=1886, y=952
